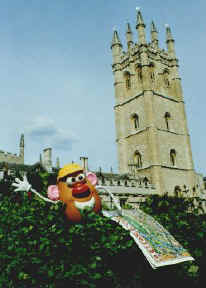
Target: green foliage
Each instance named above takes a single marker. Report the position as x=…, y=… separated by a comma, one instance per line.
x=181, y=217
x=39, y=248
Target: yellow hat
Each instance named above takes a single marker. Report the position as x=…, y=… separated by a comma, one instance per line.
x=69, y=169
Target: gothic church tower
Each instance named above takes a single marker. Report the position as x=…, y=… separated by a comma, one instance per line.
x=21, y=148
x=151, y=128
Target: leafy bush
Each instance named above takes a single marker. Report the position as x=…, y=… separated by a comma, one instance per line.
x=181, y=217
x=39, y=248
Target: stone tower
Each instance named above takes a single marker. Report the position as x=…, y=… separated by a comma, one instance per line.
x=57, y=163
x=47, y=159
x=21, y=148
x=151, y=128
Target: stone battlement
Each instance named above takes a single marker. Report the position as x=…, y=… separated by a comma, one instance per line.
x=128, y=183
x=11, y=158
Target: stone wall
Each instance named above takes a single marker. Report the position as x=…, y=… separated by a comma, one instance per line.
x=124, y=195
x=11, y=158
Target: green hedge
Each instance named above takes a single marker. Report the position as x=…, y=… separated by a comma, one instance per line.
x=185, y=220
x=38, y=248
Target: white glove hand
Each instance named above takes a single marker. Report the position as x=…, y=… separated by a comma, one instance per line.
x=21, y=185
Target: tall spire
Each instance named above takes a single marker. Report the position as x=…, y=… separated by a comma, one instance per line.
x=140, y=28
x=129, y=30
x=21, y=148
x=168, y=33
x=170, y=42
x=115, y=39
x=116, y=47
x=154, y=35
x=153, y=27
x=129, y=36
x=57, y=163
x=22, y=141
x=140, y=20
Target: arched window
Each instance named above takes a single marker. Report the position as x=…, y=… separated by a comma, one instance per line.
x=194, y=190
x=152, y=74
x=138, y=159
x=166, y=78
x=123, y=202
x=172, y=157
x=135, y=121
x=167, y=117
x=177, y=191
x=127, y=79
x=139, y=72
x=145, y=181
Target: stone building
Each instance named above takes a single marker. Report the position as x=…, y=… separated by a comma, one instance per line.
x=151, y=126
x=47, y=159
x=14, y=158
x=154, y=150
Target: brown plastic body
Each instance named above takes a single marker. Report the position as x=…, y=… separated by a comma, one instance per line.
x=72, y=212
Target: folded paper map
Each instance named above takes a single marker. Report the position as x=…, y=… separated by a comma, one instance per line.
x=157, y=244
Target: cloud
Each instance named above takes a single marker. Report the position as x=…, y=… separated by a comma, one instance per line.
x=44, y=131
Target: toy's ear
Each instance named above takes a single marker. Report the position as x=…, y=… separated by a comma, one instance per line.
x=53, y=192
x=92, y=178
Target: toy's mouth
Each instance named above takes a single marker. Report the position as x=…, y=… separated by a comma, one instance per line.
x=86, y=204
x=82, y=195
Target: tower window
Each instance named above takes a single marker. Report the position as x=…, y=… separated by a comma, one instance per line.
x=177, y=191
x=135, y=121
x=172, y=157
x=138, y=159
x=139, y=72
x=167, y=118
x=127, y=79
x=152, y=74
x=166, y=78
x=123, y=202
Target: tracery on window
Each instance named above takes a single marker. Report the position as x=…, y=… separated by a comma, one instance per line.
x=177, y=191
x=138, y=159
x=172, y=157
x=127, y=76
x=167, y=117
x=166, y=78
x=152, y=74
x=135, y=121
x=139, y=72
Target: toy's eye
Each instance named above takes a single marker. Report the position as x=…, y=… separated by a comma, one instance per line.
x=70, y=180
x=80, y=177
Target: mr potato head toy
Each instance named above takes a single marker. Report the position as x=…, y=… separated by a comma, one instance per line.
x=74, y=187
x=77, y=191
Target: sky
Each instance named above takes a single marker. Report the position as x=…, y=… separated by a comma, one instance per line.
x=56, y=81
